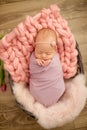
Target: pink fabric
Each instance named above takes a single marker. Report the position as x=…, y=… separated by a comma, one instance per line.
x=18, y=44
x=46, y=83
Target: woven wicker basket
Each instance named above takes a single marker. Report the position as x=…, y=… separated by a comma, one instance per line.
x=80, y=70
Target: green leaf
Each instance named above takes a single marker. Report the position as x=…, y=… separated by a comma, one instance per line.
x=0, y=62
x=1, y=36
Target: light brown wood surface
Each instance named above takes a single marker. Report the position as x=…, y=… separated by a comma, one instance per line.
x=11, y=13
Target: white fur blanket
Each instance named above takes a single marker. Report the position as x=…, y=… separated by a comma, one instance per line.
x=66, y=110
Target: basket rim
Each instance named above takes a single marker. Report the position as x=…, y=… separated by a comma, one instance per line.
x=80, y=69
x=79, y=62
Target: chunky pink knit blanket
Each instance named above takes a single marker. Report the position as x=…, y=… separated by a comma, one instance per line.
x=18, y=44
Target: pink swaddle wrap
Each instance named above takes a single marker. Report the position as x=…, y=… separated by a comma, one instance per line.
x=46, y=82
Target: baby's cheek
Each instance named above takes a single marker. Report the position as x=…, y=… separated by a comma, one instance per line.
x=37, y=55
x=50, y=56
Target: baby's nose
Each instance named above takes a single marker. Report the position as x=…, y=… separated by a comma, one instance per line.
x=43, y=55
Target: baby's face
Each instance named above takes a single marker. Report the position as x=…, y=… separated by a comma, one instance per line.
x=43, y=49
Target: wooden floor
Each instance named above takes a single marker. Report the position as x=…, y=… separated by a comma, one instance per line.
x=11, y=13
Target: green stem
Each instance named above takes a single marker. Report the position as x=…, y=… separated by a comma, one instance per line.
x=2, y=71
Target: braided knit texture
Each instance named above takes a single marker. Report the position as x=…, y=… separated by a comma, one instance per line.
x=19, y=43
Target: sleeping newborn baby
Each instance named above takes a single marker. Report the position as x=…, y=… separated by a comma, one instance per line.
x=46, y=76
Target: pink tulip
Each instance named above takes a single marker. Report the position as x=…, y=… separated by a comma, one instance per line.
x=3, y=88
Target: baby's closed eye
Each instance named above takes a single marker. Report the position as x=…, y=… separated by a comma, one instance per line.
x=48, y=53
